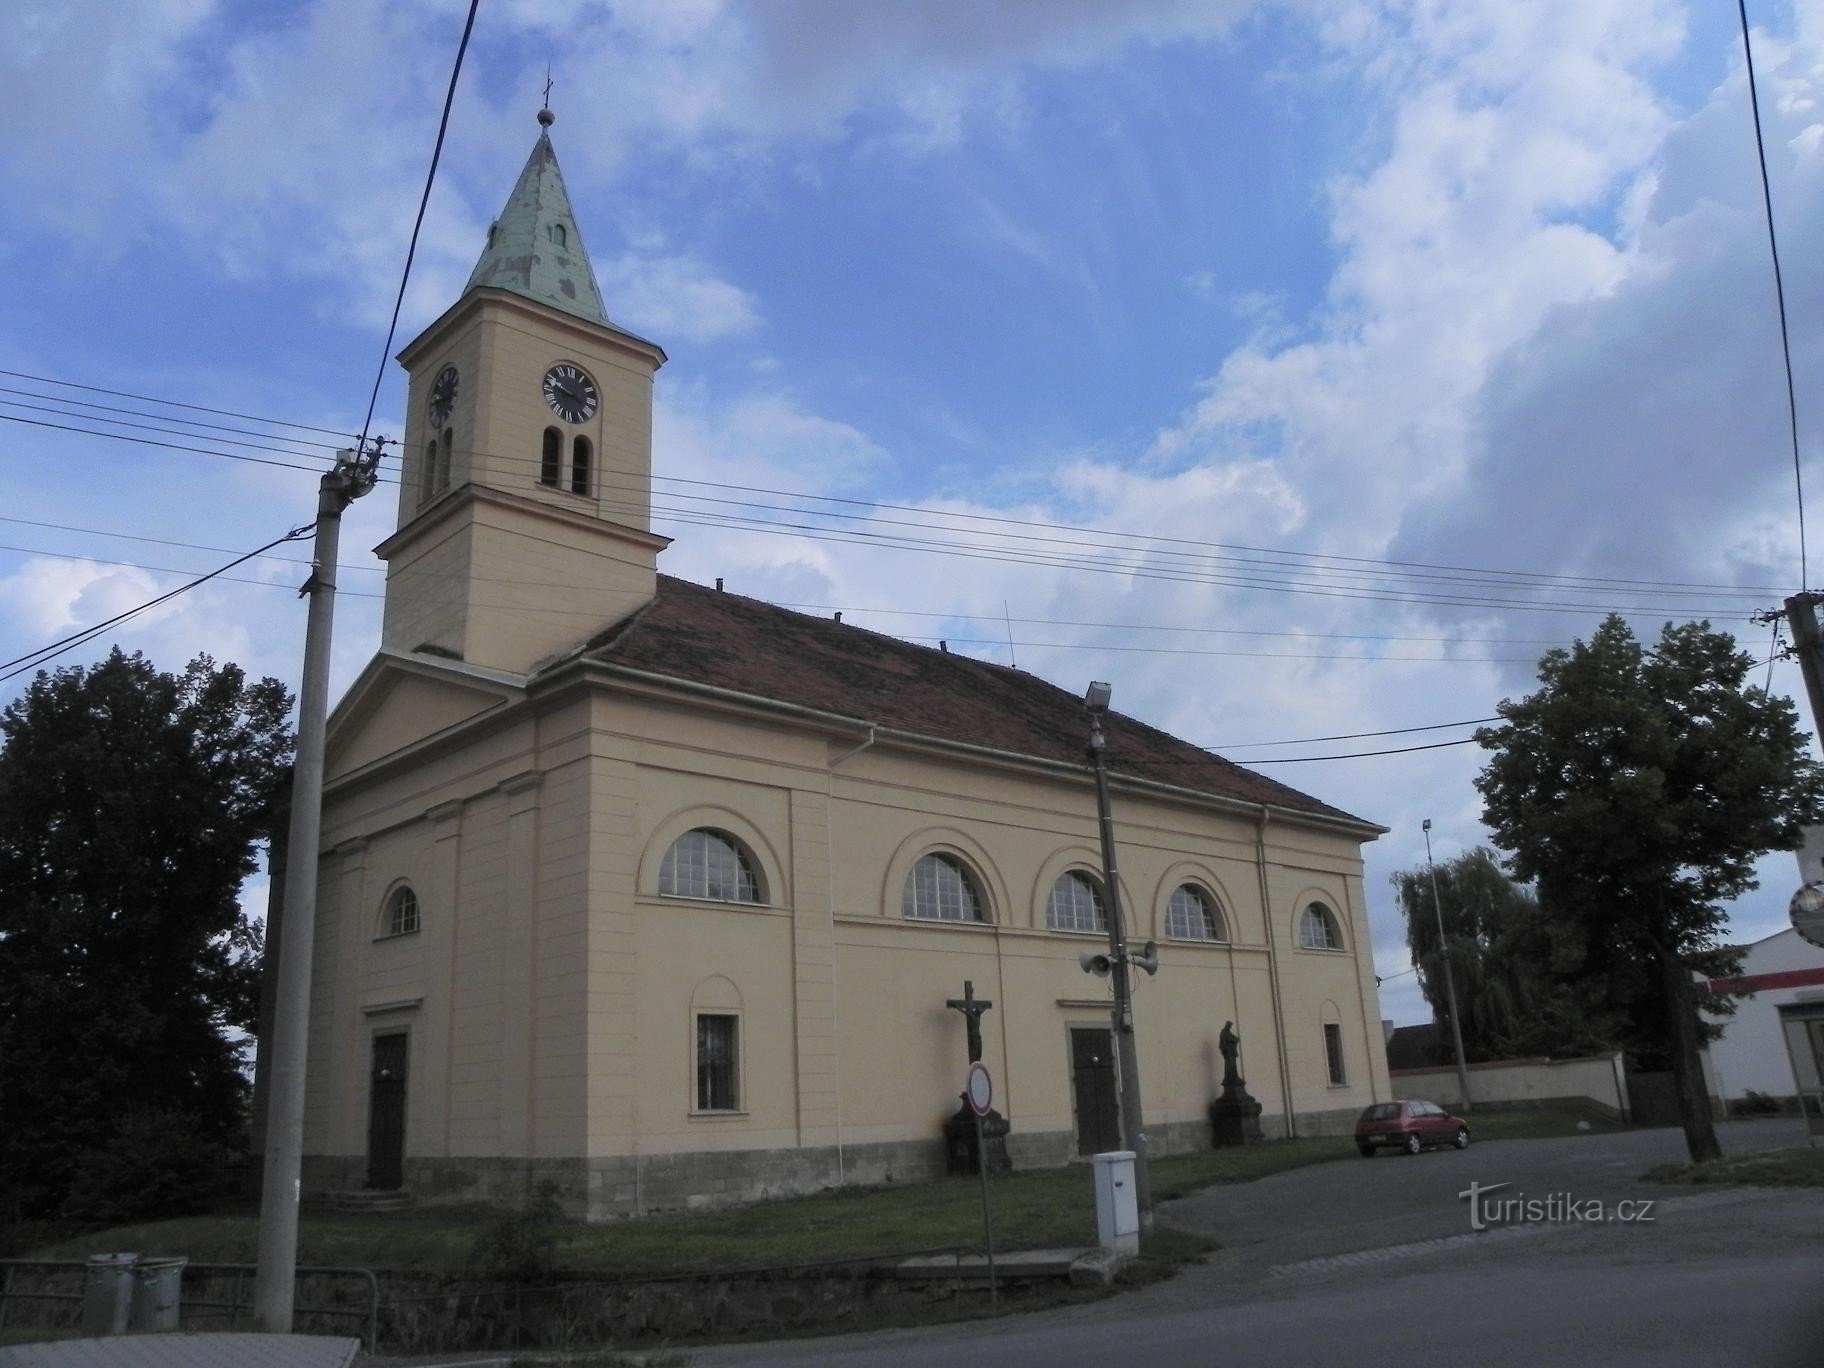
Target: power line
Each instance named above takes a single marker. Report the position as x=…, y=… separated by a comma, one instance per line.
x=1779, y=290
x=33, y=659
x=173, y=403
x=150, y=427
x=1356, y=736
x=1295, y=562
x=148, y=441
x=188, y=423
x=411, y=250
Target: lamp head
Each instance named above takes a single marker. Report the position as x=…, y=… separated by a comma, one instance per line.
x=1425, y=825
x=1097, y=696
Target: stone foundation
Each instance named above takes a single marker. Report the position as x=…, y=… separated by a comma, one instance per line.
x=633, y=1185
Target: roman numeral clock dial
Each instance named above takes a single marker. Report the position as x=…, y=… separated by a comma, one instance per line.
x=570, y=393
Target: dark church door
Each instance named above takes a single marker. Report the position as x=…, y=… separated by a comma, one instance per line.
x=386, y=1114
x=1092, y=1072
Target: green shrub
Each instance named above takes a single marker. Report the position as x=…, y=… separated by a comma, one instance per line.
x=520, y=1246
x=1757, y=1104
x=154, y=1165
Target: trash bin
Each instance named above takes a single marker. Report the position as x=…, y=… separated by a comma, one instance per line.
x=1117, y=1205
x=158, y=1289
x=107, y=1294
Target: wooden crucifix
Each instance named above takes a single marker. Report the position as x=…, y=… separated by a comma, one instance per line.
x=972, y=1008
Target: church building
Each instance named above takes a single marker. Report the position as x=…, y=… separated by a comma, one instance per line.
x=661, y=892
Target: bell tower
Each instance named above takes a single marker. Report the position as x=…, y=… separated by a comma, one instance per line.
x=525, y=500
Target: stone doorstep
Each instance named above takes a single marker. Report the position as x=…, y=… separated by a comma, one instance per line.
x=1093, y=1267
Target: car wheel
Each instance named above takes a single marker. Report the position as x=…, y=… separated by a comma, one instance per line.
x=1412, y=1144
x=1463, y=1138
x=1367, y=1151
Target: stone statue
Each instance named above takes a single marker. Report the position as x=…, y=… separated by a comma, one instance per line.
x=1229, y=1042
x=1234, y=1116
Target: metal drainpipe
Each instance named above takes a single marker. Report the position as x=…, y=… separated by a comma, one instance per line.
x=829, y=855
x=1279, y=1014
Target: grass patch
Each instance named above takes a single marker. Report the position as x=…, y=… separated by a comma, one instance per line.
x=1040, y=1209
x=1037, y=1209
x=1780, y=1168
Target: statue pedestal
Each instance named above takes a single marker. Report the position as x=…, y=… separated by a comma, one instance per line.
x=1234, y=1117
x=959, y=1143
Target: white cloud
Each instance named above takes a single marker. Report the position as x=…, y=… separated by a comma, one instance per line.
x=676, y=297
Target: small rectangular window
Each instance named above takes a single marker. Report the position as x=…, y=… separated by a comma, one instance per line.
x=1333, y=1053
x=718, y=1055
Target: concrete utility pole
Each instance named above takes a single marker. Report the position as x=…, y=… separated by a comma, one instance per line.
x=1807, y=646
x=1133, y=1125
x=354, y=474
x=1450, y=979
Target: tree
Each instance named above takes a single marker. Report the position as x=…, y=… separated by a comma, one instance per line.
x=1634, y=790
x=132, y=803
x=1516, y=987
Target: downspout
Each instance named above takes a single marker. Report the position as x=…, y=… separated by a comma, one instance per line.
x=1361, y=988
x=1279, y=1014
x=829, y=855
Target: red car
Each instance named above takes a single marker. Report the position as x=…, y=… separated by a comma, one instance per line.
x=1411, y=1126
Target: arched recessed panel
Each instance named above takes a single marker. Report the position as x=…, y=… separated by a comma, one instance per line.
x=1318, y=928
x=552, y=459
x=1076, y=904
x=579, y=465
x=399, y=915
x=1191, y=914
x=941, y=887
x=711, y=865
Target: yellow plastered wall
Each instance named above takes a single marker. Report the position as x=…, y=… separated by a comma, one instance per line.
x=550, y=992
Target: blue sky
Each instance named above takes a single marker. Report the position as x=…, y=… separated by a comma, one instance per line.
x=1455, y=281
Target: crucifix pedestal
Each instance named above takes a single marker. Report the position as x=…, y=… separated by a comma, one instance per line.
x=961, y=1154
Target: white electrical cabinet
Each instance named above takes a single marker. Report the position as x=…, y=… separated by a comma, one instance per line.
x=1117, y=1207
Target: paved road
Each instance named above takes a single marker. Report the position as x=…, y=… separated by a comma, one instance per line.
x=1372, y=1261
x=1395, y=1198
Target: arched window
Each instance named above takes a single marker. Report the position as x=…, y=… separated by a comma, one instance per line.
x=427, y=481
x=579, y=466
x=553, y=457
x=940, y=888
x=709, y=864
x=1191, y=915
x=1076, y=905
x=558, y=236
x=443, y=459
x=401, y=916
x=1317, y=929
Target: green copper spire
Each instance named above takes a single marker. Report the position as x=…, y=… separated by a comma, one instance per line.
x=535, y=248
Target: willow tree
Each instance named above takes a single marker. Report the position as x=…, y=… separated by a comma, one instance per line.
x=1515, y=970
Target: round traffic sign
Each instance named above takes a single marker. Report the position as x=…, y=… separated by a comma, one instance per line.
x=980, y=1089
x=1808, y=913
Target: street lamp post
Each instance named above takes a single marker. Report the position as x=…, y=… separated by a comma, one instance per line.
x=1133, y=1126
x=1450, y=979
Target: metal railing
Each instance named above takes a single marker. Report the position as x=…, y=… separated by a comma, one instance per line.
x=234, y=1309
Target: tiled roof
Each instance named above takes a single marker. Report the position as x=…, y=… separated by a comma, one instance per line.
x=705, y=636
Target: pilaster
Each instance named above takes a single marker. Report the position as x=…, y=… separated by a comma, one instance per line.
x=813, y=969
x=518, y=968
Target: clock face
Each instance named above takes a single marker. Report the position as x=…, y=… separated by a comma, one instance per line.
x=443, y=396
x=571, y=394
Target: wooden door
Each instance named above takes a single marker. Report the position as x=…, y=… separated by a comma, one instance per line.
x=386, y=1113
x=1092, y=1075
